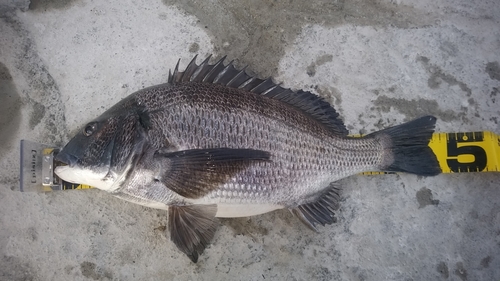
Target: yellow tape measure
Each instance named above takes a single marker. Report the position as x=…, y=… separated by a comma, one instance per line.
x=456, y=152
x=67, y=185
x=467, y=152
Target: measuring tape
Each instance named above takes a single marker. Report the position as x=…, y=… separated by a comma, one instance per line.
x=467, y=152
x=456, y=152
x=464, y=152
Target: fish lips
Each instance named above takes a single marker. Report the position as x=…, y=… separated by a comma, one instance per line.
x=70, y=154
x=66, y=158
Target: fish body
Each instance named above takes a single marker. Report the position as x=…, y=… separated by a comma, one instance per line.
x=216, y=142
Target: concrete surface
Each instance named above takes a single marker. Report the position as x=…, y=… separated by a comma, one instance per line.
x=379, y=62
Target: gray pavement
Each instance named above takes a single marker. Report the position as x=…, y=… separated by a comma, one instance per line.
x=379, y=63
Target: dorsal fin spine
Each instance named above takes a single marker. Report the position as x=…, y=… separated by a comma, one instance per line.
x=190, y=69
x=176, y=70
x=262, y=87
x=216, y=67
x=234, y=82
x=248, y=81
x=198, y=74
x=269, y=90
x=223, y=73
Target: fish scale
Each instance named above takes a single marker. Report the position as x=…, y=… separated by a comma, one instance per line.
x=217, y=142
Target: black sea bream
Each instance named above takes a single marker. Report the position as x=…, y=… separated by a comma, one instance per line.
x=216, y=142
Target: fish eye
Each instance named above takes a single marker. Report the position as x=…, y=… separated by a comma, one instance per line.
x=89, y=129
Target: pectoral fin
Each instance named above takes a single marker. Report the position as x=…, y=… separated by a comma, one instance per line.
x=196, y=172
x=192, y=227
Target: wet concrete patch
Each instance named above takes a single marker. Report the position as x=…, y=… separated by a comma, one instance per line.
x=323, y=273
x=493, y=94
x=91, y=270
x=311, y=69
x=438, y=76
x=193, y=48
x=332, y=95
x=414, y=108
x=37, y=114
x=442, y=268
x=41, y=93
x=460, y=271
x=493, y=70
x=10, y=109
x=15, y=269
x=42, y=5
x=485, y=263
x=5, y=73
x=425, y=198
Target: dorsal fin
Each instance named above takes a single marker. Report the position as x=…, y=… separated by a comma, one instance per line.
x=228, y=75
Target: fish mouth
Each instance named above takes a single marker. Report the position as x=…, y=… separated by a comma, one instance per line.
x=76, y=167
x=66, y=158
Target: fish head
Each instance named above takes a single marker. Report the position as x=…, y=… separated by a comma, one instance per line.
x=103, y=148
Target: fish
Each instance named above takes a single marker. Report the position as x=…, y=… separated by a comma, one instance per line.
x=216, y=142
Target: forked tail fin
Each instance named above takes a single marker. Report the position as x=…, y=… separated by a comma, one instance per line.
x=406, y=147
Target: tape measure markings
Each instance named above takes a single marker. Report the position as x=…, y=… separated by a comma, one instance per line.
x=467, y=151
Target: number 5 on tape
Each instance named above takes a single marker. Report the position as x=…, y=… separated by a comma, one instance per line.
x=467, y=152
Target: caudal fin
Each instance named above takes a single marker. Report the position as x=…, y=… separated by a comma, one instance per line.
x=406, y=147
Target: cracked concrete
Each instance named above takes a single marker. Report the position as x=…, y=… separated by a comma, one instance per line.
x=378, y=62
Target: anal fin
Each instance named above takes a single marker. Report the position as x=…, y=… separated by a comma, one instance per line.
x=192, y=227
x=321, y=211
